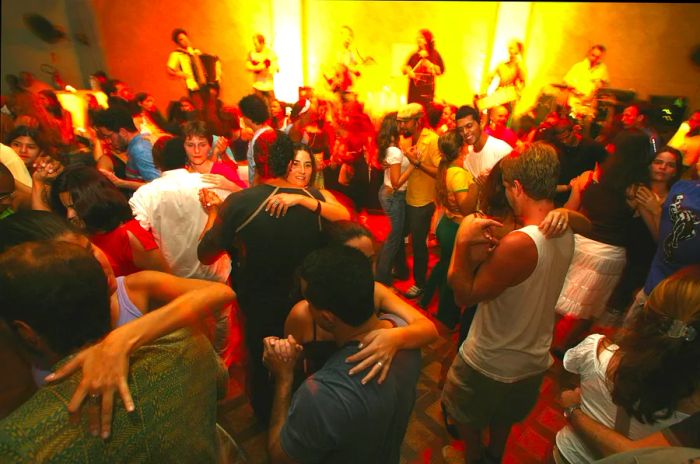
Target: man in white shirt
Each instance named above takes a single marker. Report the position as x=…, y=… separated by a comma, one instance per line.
x=169, y=206
x=495, y=378
x=586, y=77
x=483, y=150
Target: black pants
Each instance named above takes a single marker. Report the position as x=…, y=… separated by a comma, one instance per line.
x=418, y=222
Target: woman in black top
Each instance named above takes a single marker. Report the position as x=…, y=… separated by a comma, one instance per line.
x=267, y=230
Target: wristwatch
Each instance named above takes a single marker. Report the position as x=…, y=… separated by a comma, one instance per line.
x=570, y=410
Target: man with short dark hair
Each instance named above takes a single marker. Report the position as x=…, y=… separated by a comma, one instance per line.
x=483, y=150
x=577, y=154
x=495, y=378
x=170, y=208
x=185, y=63
x=55, y=297
x=255, y=115
x=334, y=417
x=117, y=126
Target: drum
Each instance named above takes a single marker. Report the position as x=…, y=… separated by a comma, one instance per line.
x=501, y=96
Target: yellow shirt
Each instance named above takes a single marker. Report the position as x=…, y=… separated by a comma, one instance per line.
x=421, y=186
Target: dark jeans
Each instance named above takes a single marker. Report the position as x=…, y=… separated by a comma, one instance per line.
x=394, y=205
x=448, y=311
x=418, y=222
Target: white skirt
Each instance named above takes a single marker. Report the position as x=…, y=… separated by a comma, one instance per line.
x=594, y=272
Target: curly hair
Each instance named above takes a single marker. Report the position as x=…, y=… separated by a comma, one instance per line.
x=656, y=371
x=281, y=154
x=449, y=144
x=629, y=164
x=98, y=203
x=388, y=134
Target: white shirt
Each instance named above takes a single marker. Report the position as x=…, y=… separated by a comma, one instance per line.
x=596, y=401
x=264, y=80
x=169, y=207
x=481, y=162
x=395, y=156
x=510, y=336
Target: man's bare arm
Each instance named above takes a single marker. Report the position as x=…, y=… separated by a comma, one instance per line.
x=479, y=271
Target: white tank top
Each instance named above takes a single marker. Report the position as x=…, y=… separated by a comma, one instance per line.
x=510, y=336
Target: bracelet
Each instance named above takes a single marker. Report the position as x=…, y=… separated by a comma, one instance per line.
x=318, y=207
x=417, y=163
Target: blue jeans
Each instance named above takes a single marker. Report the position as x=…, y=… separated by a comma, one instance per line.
x=394, y=205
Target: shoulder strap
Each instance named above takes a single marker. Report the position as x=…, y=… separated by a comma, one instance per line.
x=257, y=210
x=320, y=224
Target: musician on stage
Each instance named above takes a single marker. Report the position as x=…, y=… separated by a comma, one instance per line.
x=421, y=68
x=347, y=65
x=586, y=77
x=509, y=74
x=185, y=63
x=262, y=62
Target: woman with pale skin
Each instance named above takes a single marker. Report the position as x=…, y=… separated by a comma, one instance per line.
x=301, y=173
x=28, y=143
x=664, y=171
x=143, y=306
x=379, y=347
x=92, y=203
x=202, y=159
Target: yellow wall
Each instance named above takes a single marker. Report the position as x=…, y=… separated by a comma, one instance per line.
x=648, y=44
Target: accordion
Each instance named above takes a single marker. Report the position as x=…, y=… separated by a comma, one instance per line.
x=204, y=67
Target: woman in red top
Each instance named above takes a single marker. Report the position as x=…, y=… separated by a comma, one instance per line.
x=199, y=153
x=91, y=202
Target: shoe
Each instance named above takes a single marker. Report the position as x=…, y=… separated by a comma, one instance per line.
x=413, y=292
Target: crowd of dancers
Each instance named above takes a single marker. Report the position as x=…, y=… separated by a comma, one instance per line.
x=143, y=253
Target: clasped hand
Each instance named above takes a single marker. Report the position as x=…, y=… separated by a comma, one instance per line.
x=280, y=355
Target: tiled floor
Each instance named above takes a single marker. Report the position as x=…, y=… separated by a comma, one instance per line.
x=529, y=442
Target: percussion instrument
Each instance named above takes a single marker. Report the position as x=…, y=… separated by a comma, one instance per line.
x=501, y=96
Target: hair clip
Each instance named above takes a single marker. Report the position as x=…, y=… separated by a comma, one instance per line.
x=680, y=329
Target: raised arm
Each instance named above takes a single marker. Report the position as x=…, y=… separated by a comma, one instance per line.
x=105, y=365
x=330, y=209
x=382, y=344
x=482, y=268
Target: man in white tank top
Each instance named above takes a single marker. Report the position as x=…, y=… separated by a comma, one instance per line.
x=494, y=380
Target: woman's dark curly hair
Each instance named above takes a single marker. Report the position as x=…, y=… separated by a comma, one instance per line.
x=492, y=196
x=388, y=134
x=629, y=164
x=656, y=371
x=98, y=203
x=450, y=144
x=281, y=154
